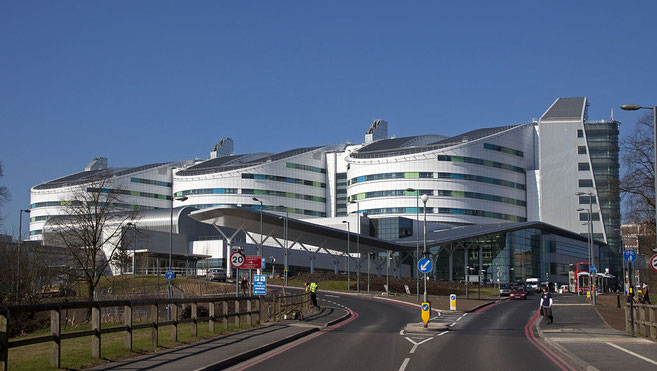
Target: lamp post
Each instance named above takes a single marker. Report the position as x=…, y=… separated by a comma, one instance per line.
x=425, y=198
x=358, y=246
x=417, y=238
x=260, y=247
x=134, y=250
x=635, y=107
x=348, y=255
x=285, y=245
x=590, y=244
x=180, y=198
x=18, y=251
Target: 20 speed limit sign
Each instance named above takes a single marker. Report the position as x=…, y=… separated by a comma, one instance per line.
x=653, y=262
x=237, y=259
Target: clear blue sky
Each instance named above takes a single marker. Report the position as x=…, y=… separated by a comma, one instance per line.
x=152, y=81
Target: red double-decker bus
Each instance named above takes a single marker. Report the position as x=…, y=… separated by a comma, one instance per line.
x=578, y=277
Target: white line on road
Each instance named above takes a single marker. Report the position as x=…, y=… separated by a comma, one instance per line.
x=458, y=319
x=443, y=333
x=331, y=296
x=632, y=353
x=403, y=366
x=453, y=323
x=401, y=332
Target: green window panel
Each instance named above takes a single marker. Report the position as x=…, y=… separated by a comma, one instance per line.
x=412, y=175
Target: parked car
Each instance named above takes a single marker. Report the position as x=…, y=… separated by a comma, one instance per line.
x=518, y=292
x=505, y=289
x=216, y=274
x=563, y=289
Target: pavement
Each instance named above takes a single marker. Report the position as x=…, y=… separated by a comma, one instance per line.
x=225, y=351
x=580, y=334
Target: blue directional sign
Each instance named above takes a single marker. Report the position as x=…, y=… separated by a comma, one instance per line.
x=629, y=256
x=259, y=284
x=593, y=269
x=169, y=275
x=263, y=263
x=452, y=297
x=425, y=306
x=425, y=265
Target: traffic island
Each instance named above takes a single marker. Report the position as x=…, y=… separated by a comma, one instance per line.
x=431, y=327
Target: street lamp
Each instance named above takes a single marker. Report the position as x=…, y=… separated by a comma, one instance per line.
x=134, y=250
x=589, y=242
x=424, y=199
x=348, y=255
x=417, y=238
x=18, y=251
x=260, y=247
x=285, y=246
x=358, y=247
x=635, y=107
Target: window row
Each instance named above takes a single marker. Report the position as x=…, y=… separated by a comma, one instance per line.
x=584, y=217
x=292, y=165
x=79, y=204
x=386, y=176
x=283, y=179
x=151, y=182
x=481, y=179
x=391, y=193
x=129, y=193
x=482, y=213
x=479, y=161
x=482, y=196
x=510, y=151
x=267, y=192
x=39, y=218
x=206, y=191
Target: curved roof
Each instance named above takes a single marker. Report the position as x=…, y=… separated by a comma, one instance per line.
x=410, y=145
x=228, y=163
x=86, y=176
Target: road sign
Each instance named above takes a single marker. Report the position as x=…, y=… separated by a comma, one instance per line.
x=425, y=265
x=237, y=259
x=169, y=275
x=629, y=256
x=593, y=269
x=259, y=284
x=426, y=312
x=452, y=302
x=653, y=262
x=252, y=262
x=263, y=263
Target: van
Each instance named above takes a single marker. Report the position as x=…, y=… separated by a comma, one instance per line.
x=533, y=285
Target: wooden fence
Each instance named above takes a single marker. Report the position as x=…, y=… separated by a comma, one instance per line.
x=645, y=320
x=240, y=310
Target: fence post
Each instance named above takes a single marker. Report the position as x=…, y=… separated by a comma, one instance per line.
x=174, y=319
x=237, y=312
x=259, y=310
x=273, y=308
x=211, y=322
x=224, y=313
x=154, y=325
x=127, y=321
x=642, y=317
x=628, y=324
x=95, y=324
x=653, y=325
x=249, y=317
x=194, y=319
x=56, y=332
x=4, y=339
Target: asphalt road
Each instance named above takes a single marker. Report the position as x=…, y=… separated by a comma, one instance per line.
x=493, y=339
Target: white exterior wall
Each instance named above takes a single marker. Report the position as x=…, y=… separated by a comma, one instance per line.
x=160, y=173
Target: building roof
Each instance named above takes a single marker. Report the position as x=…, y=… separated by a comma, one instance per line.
x=566, y=109
x=87, y=176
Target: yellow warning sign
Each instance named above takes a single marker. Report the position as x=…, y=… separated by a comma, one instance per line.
x=426, y=312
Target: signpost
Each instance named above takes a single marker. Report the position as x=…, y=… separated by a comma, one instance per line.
x=426, y=312
x=452, y=302
x=259, y=284
x=630, y=256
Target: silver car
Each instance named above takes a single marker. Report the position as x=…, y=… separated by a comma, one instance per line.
x=216, y=274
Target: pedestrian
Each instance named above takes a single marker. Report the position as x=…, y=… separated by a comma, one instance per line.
x=546, y=305
x=646, y=297
x=313, y=294
x=245, y=286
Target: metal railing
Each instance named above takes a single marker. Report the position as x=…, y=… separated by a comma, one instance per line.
x=642, y=320
x=236, y=309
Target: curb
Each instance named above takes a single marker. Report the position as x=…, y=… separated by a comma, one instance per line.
x=576, y=361
x=239, y=358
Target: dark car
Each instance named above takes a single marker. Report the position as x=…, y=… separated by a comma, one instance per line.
x=518, y=292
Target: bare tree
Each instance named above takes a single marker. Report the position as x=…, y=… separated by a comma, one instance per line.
x=638, y=181
x=91, y=229
x=4, y=195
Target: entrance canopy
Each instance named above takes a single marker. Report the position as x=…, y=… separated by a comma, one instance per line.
x=273, y=225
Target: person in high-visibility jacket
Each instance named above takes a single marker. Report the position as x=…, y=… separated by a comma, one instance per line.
x=313, y=294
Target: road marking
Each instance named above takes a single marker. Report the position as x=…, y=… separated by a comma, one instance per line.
x=331, y=296
x=443, y=333
x=401, y=332
x=415, y=345
x=458, y=319
x=453, y=323
x=404, y=364
x=632, y=353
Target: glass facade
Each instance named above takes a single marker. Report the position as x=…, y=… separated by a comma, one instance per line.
x=511, y=256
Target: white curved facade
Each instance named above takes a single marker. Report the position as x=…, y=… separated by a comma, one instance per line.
x=471, y=182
